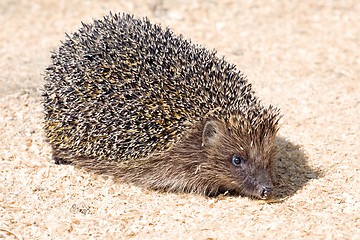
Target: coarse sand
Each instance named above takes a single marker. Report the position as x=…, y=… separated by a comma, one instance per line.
x=302, y=56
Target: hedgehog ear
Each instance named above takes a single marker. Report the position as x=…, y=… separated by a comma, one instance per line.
x=210, y=133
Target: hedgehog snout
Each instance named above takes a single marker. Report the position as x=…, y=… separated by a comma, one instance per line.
x=264, y=184
x=265, y=192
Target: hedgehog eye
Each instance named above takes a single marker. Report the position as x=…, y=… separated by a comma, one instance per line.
x=237, y=160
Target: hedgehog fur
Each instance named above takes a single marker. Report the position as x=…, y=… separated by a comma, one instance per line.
x=127, y=98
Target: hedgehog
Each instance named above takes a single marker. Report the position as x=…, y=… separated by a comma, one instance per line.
x=129, y=99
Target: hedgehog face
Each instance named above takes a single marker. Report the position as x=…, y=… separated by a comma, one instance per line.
x=247, y=164
x=252, y=180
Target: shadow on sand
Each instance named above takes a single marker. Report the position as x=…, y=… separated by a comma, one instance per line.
x=291, y=169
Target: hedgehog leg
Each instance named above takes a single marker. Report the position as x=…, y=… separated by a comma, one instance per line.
x=62, y=156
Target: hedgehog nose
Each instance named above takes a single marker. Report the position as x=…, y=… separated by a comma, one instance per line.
x=265, y=192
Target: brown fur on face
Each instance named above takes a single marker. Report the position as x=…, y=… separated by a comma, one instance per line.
x=253, y=177
x=210, y=150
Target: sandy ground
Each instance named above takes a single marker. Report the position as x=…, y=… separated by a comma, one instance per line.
x=303, y=56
